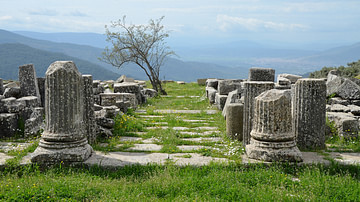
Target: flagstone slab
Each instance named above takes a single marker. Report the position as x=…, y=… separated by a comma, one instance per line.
x=145, y=147
x=130, y=139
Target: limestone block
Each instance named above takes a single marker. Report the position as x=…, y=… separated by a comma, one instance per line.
x=343, y=87
x=12, y=92
x=220, y=101
x=41, y=85
x=233, y=97
x=291, y=77
x=309, y=113
x=105, y=122
x=35, y=123
x=338, y=100
x=228, y=85
x=212, y=83
x=354, y=109
x=251, y=90
x=128, y=97
x=11, y=105
x=123, y=105
x=28, y=81
x=234, y=121
x=128, y=87
x=346, y=124
x=338, y=108
x=124, y=78
x=64, y=139
x=210, y=93
x=8, y=125
x=108, y=99
x=272, y=138
x=150, y=93
x=261, y=74
x=2, y=89
x=283, y=81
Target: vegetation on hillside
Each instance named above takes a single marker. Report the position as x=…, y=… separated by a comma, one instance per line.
x=352, y=70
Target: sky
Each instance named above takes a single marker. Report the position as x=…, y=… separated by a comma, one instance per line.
x=296, y=21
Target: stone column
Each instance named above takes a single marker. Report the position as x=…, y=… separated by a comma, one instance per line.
x=251, y=90
x=28, y=81
x=309, y=111
x=64, y=138
x=272, y=138
x=234, y=121
x=89, y=114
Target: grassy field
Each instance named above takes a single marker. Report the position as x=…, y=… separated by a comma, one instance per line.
x=214, y=182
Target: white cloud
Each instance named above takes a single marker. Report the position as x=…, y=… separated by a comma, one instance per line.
x=6, y=17
x=252, y=24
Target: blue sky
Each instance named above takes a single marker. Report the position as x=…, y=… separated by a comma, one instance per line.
x=298, y=21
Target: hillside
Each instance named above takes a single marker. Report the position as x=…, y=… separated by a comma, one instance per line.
x=14, y=55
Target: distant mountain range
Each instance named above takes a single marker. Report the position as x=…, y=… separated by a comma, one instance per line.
x=222, y=60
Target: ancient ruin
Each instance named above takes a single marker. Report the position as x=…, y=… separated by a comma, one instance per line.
x=272, y=137
x=309, y=113
x=64, y=138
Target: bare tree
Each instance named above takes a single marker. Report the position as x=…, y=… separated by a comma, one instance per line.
x=143, y=45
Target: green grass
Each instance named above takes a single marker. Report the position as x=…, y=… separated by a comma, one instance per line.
x=215, y=182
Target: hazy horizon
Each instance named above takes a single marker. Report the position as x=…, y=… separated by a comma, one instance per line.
x=298, y=22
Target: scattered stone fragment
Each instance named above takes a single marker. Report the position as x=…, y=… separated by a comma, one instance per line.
x=261, y=74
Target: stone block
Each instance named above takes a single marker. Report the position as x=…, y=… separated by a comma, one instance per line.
x=309, y=111
x=338, y=100
x=212, y=83
x=346, y=124
x=108, y=99
x=8, y=125
x=234, y=121
x=210, y=93
x=150, y=93
x=2, y=89
x=228, y=85
x=28, y=81
x=261, y=74
x=233, y=97
x=220, y=101
x=35, y=123
x=127, y=87
x=12, y=92
x=41, y=85
x=343, y=87
x=290, y=77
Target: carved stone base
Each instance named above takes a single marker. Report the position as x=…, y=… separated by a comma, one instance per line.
x=273, y=151
x=53, y=152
